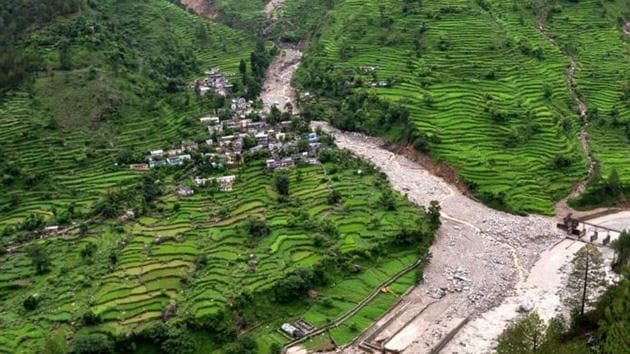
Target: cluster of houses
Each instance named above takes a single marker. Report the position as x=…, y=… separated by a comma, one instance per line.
x=176, y=156
x=232, y=137
x=245, y=131
x=215, y=82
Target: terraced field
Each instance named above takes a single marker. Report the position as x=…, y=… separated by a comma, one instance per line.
x=157, y=257
x=593, y=31
x=481, y=79
x=74, y=162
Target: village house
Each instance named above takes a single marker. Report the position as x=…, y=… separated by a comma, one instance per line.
x=278, y=164
x=178, y=160
x=228, y=140
x=262, y=139
x=139, y=167
x=51, y=230
x=232, y=159
x=174, y=152
x=314, y=149
x=156, y=153
x=232, y=124
x=291, y=330
x=211, y=120
x=367, y=69
x=184, y=191
x=215, y=129
x=224, y=184
x=313, y=138
x=157, y=163
x=190, y=146
x=128, y=215
x=239, y=104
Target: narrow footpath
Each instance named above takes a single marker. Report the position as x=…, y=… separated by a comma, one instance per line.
x=562, y=207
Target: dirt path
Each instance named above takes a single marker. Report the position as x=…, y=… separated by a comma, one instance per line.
x=562, y=208
x=479, y=256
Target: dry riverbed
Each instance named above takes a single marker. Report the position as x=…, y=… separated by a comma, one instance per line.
x=277, y=89
x=485, y=263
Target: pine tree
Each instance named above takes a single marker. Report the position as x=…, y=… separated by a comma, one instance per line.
x=525, y=336
x=622, y=248
x=586, y=277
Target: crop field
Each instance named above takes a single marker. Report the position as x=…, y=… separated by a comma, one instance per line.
x=480, y=77
x=592, y=30
x=53, y=132
x=355, y=325
x=157, y=258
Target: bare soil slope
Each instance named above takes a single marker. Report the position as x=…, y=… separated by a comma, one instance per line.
x=201, y=7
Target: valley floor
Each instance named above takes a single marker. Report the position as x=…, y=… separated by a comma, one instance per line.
x=478, y=259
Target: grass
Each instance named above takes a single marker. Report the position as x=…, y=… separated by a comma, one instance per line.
x=451, y=64
x=592, y=30
x=67, y=127
x=149, y=274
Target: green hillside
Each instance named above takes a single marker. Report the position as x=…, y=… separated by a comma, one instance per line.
x=104, y=82
x=592, y=31
x=480, y=81
x=109, y=81
x=198, y=253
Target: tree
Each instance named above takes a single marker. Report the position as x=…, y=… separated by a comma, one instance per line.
x=95, y=343
x=525, y=336
x=434, y=214
x=334, y=197
x=622, y=247
x=586, y=277
x=387, y=200
x=65, y=58
x=202, y=34
x=281, y=182
x=256, y=227
x=614, y=183
x=39, y=258
x=88, y=251
x=31, y=302
x=242, y=68
x=275, y=348
x=294, y=285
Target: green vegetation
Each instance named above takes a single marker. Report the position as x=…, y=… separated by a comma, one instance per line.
x=88, y=87
x=484, y=88
x=253, y=248
x=603, y=328
x=120, y=93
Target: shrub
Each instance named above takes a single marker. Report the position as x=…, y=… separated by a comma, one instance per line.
x=256, y=227
x=561, y=161
x=387, y=200
x=281, y=182
x=294, y=286
x=39, y=258
x=93, y=344
x=31, y=302
x=88, y=251
x=90, y=318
